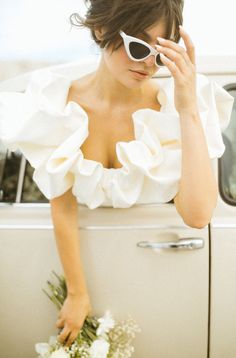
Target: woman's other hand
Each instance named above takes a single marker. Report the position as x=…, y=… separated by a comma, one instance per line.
x=181, y=63
x=72, y=315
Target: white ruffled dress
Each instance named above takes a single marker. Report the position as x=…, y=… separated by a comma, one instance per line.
x=49, y=132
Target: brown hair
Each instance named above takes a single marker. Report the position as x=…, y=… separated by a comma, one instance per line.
x=131, y=16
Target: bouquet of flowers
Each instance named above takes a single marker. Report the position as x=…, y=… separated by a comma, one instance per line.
x=98, y=338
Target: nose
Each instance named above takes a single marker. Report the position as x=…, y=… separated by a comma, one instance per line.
x=150, y=61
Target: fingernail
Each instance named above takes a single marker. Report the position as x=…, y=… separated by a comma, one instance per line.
x=160, y=39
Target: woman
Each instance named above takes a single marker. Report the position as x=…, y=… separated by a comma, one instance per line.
x=114, y=137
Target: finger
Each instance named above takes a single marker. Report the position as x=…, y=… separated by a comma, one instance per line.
x=176, y=47
x=71, y=338
x=174, y=56
x=189, y=44
x=171, y=66
x=59, y=323
x=62, y=337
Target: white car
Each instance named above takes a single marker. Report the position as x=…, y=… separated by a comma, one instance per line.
x=177, y=282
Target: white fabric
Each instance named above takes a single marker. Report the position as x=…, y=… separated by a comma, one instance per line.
x=49, y=132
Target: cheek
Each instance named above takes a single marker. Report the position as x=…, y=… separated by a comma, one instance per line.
x=119, y=60
x=124, y=57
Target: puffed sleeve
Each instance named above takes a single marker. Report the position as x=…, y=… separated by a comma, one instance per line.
x=215, y=106
x=161, y=134
x=46, y=129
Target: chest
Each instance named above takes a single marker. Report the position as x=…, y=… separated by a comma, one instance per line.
x=106, y=128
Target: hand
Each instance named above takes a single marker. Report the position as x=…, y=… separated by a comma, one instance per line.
x=72, y=315
x=181, y=64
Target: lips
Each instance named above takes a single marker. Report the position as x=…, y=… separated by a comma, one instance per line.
x=141, y=72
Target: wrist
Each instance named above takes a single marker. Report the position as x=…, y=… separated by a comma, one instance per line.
x=189, y=114
x=77, y=290
x=76, y=293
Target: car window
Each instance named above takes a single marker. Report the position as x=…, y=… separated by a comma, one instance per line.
x=9, y=164
x=16, y=183
x=30, y=191
x=227, y=163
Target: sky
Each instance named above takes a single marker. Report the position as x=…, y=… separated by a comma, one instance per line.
x=40, y=30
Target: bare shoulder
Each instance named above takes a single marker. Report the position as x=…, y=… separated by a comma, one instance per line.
x=151, y=94
x=154, y=85
x=79, y=88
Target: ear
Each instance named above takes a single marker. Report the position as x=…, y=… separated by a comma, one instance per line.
x=99, y=32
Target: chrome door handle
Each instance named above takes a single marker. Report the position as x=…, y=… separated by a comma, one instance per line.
x=190, y=243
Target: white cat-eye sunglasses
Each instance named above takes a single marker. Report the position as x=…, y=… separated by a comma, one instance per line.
x=139, y=50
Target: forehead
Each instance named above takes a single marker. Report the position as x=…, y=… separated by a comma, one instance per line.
x=150, y=34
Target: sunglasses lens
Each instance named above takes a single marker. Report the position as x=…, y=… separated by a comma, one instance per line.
x=138, y=50
x=158, y=61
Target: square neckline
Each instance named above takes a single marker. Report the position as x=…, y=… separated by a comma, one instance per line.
x=132, y=115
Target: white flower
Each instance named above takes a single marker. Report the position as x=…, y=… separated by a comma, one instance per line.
x=60, y=353
x=42, y=349
x=106, y=323
x=53, y=340
x=99, y=348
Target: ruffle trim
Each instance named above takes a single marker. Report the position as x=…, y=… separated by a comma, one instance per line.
x=49, y=132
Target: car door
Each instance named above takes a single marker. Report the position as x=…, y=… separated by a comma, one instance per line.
x=165, y=290
x=142, y=262
x=223, y=239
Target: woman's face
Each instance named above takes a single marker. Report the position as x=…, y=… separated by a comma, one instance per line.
x=122, y=68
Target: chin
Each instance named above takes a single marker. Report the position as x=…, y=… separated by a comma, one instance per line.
x=134, y=84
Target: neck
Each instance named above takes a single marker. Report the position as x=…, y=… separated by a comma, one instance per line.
x=110, y=91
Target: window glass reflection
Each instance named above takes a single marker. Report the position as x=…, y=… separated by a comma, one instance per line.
x=227, y=163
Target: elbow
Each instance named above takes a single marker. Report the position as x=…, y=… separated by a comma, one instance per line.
x=197, y=224
x=196, y=216
x=197, y=220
